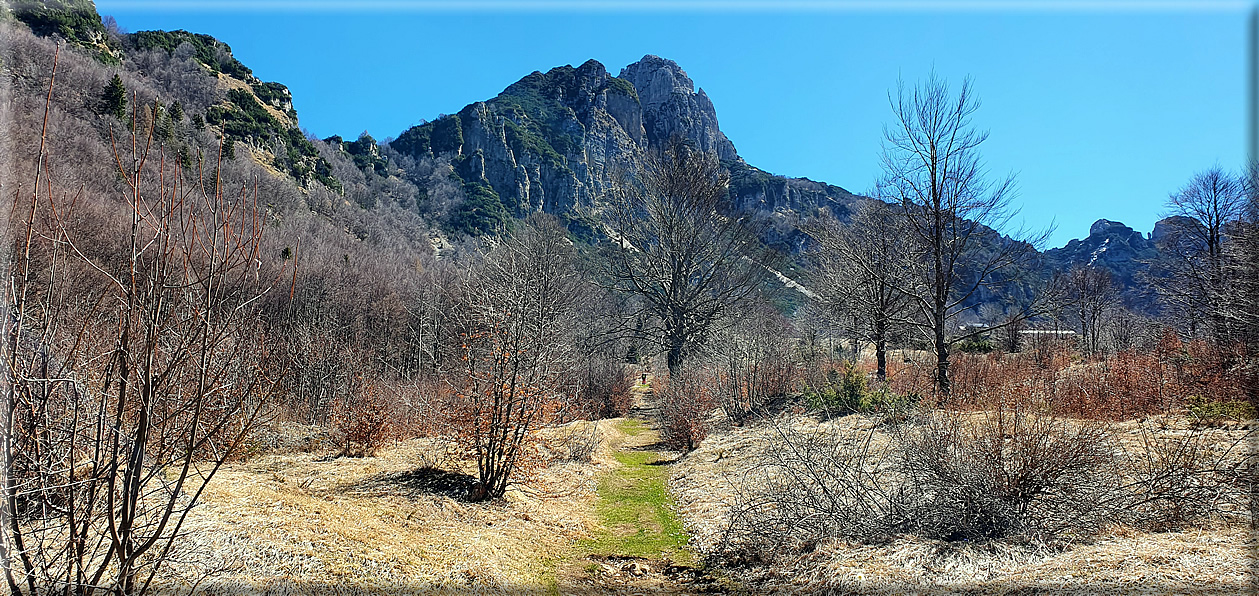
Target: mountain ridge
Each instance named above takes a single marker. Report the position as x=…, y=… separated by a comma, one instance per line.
x=553, y=141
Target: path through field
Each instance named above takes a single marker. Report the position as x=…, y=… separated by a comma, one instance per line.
x=641, y=545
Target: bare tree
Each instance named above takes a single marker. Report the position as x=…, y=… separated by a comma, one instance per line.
x=932, y=168
x=861, y=272
x=516, y=319
x=755, y=362
x=1241, y=301
x=680, y=249
x=1244, y=266
x=1093, y=292
x=1203, y=216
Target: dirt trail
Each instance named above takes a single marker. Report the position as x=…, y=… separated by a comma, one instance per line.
x=642, y=546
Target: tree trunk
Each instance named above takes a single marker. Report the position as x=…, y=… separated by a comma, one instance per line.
x=880, y=349
x=942, y=360
x=675, y=358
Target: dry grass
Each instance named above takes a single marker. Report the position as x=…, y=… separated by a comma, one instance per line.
x=306, y=523
x=301, y=523
x=1205, y=560
x=1202, y=561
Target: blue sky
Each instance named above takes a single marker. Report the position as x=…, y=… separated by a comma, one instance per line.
x=1101, y=110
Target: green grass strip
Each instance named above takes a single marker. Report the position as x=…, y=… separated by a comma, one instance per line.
x=637, y=512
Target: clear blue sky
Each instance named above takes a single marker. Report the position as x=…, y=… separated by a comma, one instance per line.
x=1101, y=111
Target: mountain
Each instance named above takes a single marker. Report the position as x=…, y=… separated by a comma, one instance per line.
x=553, y=141
x=550, y=142
x=1118, y=249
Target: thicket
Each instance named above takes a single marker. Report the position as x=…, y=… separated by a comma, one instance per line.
x=686, y=399
x=135, y=359
x=1013, y=470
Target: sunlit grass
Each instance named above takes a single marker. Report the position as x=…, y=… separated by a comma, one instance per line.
x=636, y=510
x=632, y=427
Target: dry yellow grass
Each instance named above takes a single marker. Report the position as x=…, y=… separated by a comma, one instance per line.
x=1212, y=560
x=303, y=523
x=309, y=524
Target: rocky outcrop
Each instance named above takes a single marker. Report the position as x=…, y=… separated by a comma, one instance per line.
x=671, y=106
x=549, y=142
x=1116, y=248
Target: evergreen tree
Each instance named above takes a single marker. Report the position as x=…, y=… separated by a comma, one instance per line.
x=115, y=98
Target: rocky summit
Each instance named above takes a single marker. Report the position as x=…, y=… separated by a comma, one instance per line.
x=555, y=140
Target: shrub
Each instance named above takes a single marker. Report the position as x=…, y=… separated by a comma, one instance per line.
x=1125, y=385
x=605, y=388
x=363, y=419
x=514, y=316
x=850, y=392
x=578, y=442
x=976, y=345
x=756, y=364
x=686, y=401
x=1182, y=478
x=1211, y=411
x=1009, y=472
x=810, y=484
x=1002, y=473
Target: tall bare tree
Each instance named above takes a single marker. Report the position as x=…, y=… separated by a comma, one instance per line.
x=953, y=210
x=1203, y=216
x=861, y=272
x=680, y=248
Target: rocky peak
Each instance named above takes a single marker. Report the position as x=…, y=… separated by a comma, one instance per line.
x=1169, y=228
x=657, y=79
x=556, y=139
x=1104, y=226
x=671, y=106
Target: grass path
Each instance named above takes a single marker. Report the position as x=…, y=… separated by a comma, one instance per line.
x=642, y=544
x=634, y=507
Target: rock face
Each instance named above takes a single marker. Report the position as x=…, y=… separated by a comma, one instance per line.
x=671, y=106
x=553, y=141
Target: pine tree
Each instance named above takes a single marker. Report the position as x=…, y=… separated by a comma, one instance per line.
x=115, y=98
